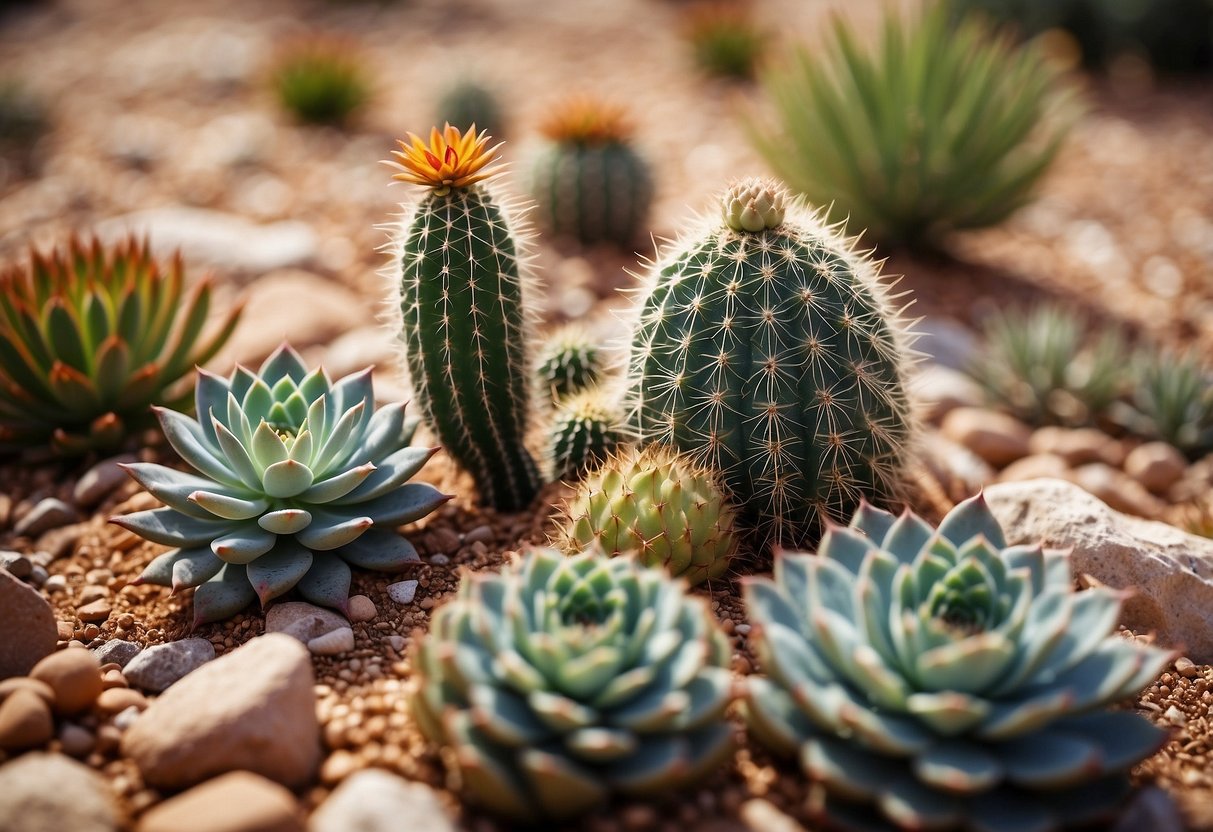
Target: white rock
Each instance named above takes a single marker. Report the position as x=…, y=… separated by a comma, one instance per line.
x=373, y=800
x=303, y=621
x=402, y=592
x=1171, y=571
x=44, y=792
x=333, y=642
x=159, y=666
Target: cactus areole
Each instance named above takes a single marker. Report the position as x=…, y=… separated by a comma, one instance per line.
x=767, y=348
x=463, y=323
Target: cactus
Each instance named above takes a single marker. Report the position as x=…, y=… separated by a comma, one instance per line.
x=321, y=80
x=767, y=348
x=463, y=318
x=724, y=38
x=659, y=507
x=588, y=181
x=585, y=430
x=569, y=362
x=467, y=102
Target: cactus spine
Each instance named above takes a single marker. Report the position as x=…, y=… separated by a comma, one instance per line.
x=768, y=349
x=462, y=310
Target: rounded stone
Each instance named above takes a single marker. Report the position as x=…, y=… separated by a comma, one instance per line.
x=303, y=621
x=28, y=625
x=997, y=438
x=115, y=700
x=74, y=675
x=17, y=683
x=235, y=802
x=155, y=668
x=1156, y=466
x=361, y=609
x=25, y=721
x=45, y=792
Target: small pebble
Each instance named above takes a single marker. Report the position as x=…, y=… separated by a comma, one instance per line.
x=402, y=592
x=94, y=611
x=361, y=608
x=76, y=741
x=38, y=575
x=1185, y=667
x=17, y=564
x=155, y=668
x=333, y=642
x=123, y=720
x=117, y=650
x=50, y=513
x=440, y=560
x=25, y=721
x=75, y=677
x=55, y=583
x=115, y=700
x=478, y=534
x=397, y=642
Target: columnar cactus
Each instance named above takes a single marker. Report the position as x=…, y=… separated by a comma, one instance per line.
x=569, y=362
x=586, y=428
x=589, y=183
x=767, y=348
x=658, y=507
x=463, y=319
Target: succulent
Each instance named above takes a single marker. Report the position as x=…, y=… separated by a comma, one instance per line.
x=586, y=428
x=321, y=80
x=468, y=102
x=724, y=39
x=767, y=348
x=941, y=679
x=464, y=320
x=938, y=128
x=298, y=478
x=90, y=338
x=1043, y=367
x=569, y=362
x=659, y=507
x=588, y=181
x=564, y=680
x=1172, y=400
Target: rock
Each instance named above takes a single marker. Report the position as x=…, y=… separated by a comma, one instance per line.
x=25, y=721
x=936, y=390
x=251, y=709
x=332, y=643
x=116, y=700
x=1171, y=571
x=760, y=815
x=481, y=534
x=947, y=342
x=362, y=609
x=235, y=802
x=94, y=612
x=17, y=564
x=16, y=683
x=1156, y=466
x=76, y=741
x=1077, y=446
x=950, y=462
x=100, y=480
x=38, y=575
x=373, y=800
x=1117, y=489
x=997, y=438
x=366, y=346
x=1151, y=808
x=54, y=793
x=48, y=514
x=117, y=651
x=74, y=675
x=157, y=667
x=218, y=240
x=303, y=621
x=402, y=592
x=1035, y=467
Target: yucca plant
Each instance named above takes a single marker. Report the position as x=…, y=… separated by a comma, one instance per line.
x=724, y=39
x=320, y=80
x=935, y=129
x=90, y=337
x=1042, y=366
x=941, y=679
x=564, y=680
x=1172, y=400
x=298, y=478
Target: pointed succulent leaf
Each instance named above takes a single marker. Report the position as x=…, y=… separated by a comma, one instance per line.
x=243, y=544
x=379, y=550
x=327, y=582
x=287, y=479
x=285, y=520
x=194, y=567
x=223, y=595
x=172, y=528
x=226, y=506
x=278, y=570
x=332, y=531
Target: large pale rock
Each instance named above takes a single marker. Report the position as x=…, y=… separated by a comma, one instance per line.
x=41, y=792
x=1171, y=571
x=28, y=625
x=234, y=802
x=377, y=801
x=251, y=709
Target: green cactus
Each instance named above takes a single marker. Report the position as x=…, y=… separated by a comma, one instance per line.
x=569, y=362
x=467, y=102
x=321, y=80
x=940, y=679
x=586, y=428
x=463, y=323
x=589, y=183
x=659, y=507
x=768, y=349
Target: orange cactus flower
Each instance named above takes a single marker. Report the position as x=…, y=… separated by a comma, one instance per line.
x=450, y=160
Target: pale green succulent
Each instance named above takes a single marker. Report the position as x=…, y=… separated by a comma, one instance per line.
x=298, y=479
x=939, y=679
x=563, y=680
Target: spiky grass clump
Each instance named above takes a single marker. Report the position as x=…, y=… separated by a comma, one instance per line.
x=767, y=348
x=938, y=128
x=1172, y=400
x=321, y=80
x=570, y=361
x=469, y=102
x=1043, y=367
x=90, y=337
x=587, y=427
x=724, y=38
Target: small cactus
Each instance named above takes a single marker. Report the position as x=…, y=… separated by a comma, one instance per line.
x=463, y=319
x=467, y=102
x=585, y=430
x=768, y=349
x=321, y=80
x=658, y=506
x=569, y=362
x=588, y=181
x=724, y=38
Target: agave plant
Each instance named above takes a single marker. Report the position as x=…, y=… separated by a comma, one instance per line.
x=939, y=679
x=1172, y=400
x=938, y=128
x=562, y=680
x=90, y=338
x=298, y=479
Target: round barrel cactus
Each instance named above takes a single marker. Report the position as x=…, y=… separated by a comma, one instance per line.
x=564, y=680
x=569, y=362
x=941, y=679
x=659, y=507
x=585, y=430
x=768, y=349
x=298, y=478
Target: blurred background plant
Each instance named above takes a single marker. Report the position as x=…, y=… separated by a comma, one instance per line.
x=467, y=102
x=724, y=39
x=1172, y=400
x=321, y=79
x=24, y=119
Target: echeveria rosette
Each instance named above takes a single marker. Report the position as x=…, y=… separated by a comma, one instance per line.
x=298, y=478
x=940, y=679
x=564, y=680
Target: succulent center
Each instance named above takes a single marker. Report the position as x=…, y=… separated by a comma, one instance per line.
x=754, y=205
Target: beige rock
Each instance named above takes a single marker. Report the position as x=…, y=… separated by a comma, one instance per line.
x=332, y=643
x=26, y=683
x=1034, y=467
x=27, y=624
x=1117, y=489
x=372, y=800
x=25, y=721
x=950, y=462
x=997, y=438
x=1077, y=446
x=937, y=390
x=44, y=792
x=74, y=675
x=235, y=802
x=303, y=621
x=361, y=609
x=251, y=709
x=115, y=700
x=1156, y=466
x=1171, y=571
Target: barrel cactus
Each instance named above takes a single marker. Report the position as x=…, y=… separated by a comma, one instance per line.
x=468, y=102
x=939, y=679
x=463, y=313
x=767, y=348
x=589, y=182
x=90, y=338
x=564, y=680
x=586, y=428
x=569, y=362
x=656, y=506
x=298, y=478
